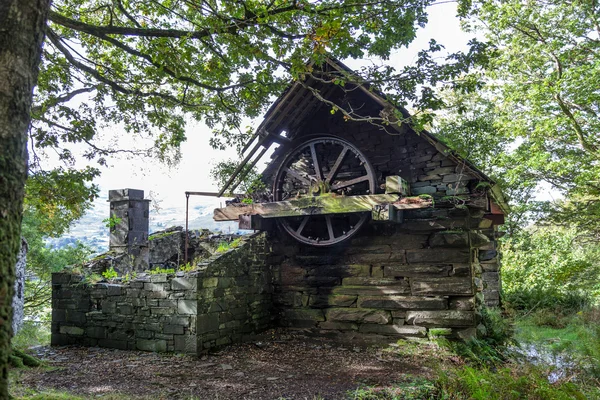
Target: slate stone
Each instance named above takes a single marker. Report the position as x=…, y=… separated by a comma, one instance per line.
x=402, y=302
x=157, y=346
x=442, y=286
x=447, y=318
x=357, y=315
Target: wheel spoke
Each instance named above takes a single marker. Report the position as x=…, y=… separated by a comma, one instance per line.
x=302, y=225
x=337, y=164
x=329, y=227
x=313, y=152
x=297, y=175
x=350, y=182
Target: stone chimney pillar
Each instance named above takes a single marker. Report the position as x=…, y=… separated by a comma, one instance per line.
x=129, y=224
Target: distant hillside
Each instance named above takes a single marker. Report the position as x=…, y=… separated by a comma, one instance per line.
x=91, y=231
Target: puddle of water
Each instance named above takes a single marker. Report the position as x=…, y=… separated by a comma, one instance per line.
x=541, y=355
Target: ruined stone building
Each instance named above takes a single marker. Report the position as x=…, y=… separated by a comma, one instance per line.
x=367, y=229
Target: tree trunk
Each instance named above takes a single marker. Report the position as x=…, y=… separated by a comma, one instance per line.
x=22, y=26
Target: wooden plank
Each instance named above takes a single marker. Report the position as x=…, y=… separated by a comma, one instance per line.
x=318, y=205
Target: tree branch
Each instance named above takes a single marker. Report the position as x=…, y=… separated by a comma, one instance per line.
x=51, y=102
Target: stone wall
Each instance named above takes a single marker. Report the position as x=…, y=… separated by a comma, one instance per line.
x=154, y=312
x=398, y=280
x=225, y=301
x=235, y=299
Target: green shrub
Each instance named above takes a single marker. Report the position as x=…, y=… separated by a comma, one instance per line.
x=547, y=268
x=417, y=389
x=158, y=270
x=511, y=382
x=110, y=274
x=32, y=333
x=491, y=350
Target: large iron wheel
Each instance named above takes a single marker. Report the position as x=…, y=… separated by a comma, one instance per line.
x=324, y=166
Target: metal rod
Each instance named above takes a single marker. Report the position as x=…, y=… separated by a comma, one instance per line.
x=208, y=194
x=187, y=202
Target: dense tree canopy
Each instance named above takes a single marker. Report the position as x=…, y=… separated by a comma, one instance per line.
x=536, y=117
x=145, y=68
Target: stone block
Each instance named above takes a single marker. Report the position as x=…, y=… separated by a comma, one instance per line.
x=187, y=307
x=323, y=301
x=162, y=310
x=462, y=303
x=358, y=315
x=59, y=315
x=113, y=344
x=486, y=255
x=125, y=309
x=395, y=255
x=58, y=339
x=114, y=290
x=402, y=302
x=489, y=267
x=163, y=336
x=442, y=286
x=208, y=323
x=371, y=281
x=374, y=248
x=210, y=282
x=156, y=286
x=463, y=269
x=341, y=326
x=304, y=314
x=395, y=330
x=96, y=332
x=185, y=344
x=340, y=271
x=72, y=330
x=157, y=346
x=159, y=278
x=411, y=270
x=142, y=334
x=184, y=284
x=423, y=190
x=438, y=256
x=449, y=239
x=432, y=225
x=368, y=290
x=173, y=329
x=167, y=303
x=176, y=320
x=447, y=318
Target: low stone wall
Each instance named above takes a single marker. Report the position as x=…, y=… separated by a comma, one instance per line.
x=399, y=280
x=154, y=313
x=235, y=299
x=226, y=301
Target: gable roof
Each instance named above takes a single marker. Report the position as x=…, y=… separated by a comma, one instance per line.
x=302, y=98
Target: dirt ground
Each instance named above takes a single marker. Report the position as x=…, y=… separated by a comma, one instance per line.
x=281, y=365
